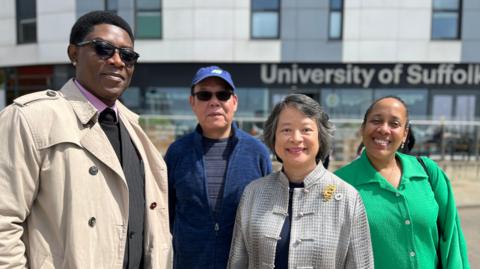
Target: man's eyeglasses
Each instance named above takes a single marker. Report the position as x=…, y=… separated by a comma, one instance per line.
x=206, y=96
x=106, y=50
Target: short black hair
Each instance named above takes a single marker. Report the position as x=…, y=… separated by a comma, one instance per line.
x=84, y=25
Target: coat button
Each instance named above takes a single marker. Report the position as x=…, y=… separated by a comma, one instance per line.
x=51, y=93
x=93, y=170
x=153, y=205
x=92, y=221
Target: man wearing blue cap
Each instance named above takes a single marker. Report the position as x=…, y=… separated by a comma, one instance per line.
x=207, y=172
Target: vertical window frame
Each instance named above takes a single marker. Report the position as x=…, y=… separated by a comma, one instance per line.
x=277, y=10
x=24, y=21
x=332, y=10
x=458, y=11
x=137, y=11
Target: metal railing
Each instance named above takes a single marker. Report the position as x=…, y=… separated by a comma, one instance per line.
x=441, y=140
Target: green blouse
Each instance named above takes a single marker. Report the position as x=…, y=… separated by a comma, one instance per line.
x=403, y=221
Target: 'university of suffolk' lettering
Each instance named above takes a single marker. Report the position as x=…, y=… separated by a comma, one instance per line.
x=351, y=74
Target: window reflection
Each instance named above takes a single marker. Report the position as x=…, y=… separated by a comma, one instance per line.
x=446, y=19
x=346, y=103
x=26, y=21
x=265, y=19
x=335, y=20
x=148, y=22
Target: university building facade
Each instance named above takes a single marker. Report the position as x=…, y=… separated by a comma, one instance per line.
x=343, y=53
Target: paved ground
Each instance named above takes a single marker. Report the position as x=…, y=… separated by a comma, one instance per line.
x=467, y=195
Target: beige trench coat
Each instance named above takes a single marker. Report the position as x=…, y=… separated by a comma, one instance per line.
x=64, y=197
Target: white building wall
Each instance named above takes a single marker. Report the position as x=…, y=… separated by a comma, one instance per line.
x=207, y=31
x=54, y=21
x=393, y=31
x=219, y=31
x=8, y=30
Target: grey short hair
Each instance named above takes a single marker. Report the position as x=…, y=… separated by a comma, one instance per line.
x=311, y=109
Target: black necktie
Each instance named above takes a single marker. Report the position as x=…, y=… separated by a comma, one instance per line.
x=107, y=116
x=108, y=122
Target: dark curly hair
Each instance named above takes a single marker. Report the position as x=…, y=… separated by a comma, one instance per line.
x=84, y=25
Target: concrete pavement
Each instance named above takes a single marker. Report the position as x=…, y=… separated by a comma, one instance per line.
x=467, y=196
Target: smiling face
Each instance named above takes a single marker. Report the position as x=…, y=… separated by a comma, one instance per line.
x=296, y=140
x=214, y=116
x=106, y=79
x=384, y=129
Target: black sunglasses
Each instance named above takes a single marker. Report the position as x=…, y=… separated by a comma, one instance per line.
x=106, y=50
x=206, y=96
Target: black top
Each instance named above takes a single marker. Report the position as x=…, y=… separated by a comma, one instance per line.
x=134, y=172
x=281, y=253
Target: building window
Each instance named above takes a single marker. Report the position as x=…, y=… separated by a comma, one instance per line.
x=148, y=19
x=265, y=20
x=335, y=20
x=446, y=19
x=26, y=21
x=111, y=5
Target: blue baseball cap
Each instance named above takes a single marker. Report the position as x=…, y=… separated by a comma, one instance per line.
x=212, y=71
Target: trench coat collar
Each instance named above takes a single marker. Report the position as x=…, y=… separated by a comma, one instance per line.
x=85, y=111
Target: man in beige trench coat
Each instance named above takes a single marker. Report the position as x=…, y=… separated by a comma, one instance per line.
x=81, y=185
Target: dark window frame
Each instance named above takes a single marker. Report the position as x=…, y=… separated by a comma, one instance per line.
x=277, y=10
x=24, y=21
x=458, y=11
x=137, y=11
x=332, y=10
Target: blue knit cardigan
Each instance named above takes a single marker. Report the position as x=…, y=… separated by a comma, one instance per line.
x=200, y=238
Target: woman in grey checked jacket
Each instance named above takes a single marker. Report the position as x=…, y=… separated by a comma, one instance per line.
x=302, y=216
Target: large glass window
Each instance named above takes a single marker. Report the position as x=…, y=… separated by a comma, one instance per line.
x=346, y=103
x=265, y=21
x=148, y=23
x=416, y=100
x=335, y=19
x=167, y=101
x=26, y=21
x=446, y=19
x=252, y=109
x=111, y=5
x=252, y=102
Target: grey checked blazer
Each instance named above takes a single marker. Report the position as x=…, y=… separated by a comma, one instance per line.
x=329, y=229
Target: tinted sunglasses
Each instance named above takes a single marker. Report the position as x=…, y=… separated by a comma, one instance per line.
x=106, y=50
x=206, y=96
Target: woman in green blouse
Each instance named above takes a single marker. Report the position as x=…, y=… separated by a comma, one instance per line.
x=411, y=210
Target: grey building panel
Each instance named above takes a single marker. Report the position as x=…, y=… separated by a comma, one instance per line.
x=126, y=10
x=288, y=25
x=312, y=24
x=470, y=31
x=304, y=32
x=468, y=4
x=84, y=6
x=311, y=51
x=305, y=4
x=470, y=51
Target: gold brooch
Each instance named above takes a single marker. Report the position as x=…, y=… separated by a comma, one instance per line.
x=328, y=192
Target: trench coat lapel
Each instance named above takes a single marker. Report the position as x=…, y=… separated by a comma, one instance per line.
x=93, y=139
x=97, y=143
